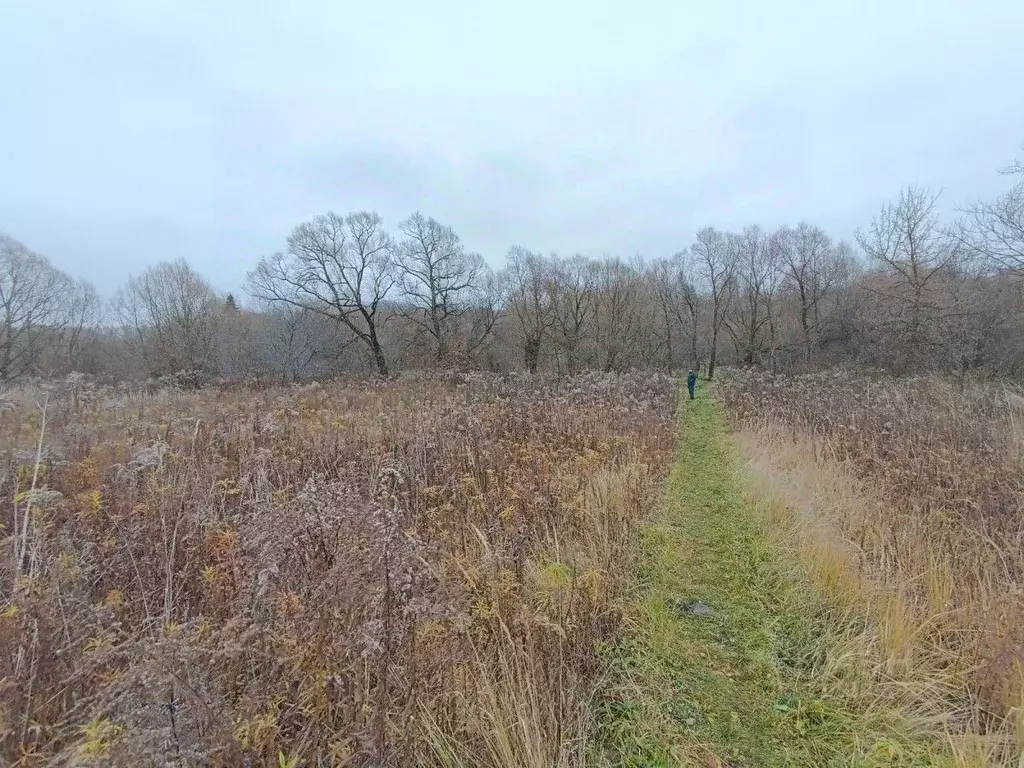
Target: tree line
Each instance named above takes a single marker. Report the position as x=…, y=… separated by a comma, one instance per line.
x=912, y=293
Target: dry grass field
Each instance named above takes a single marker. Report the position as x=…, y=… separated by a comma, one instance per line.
x=904, y=499
x=363, y=573
x=481, y=570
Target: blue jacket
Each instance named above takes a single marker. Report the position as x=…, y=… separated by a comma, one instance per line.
x=691, y=379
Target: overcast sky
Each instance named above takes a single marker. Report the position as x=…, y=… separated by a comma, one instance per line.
x=137, y=131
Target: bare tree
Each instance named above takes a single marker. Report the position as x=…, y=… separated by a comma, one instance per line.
x=616, y=311
x=911, y=248
x=715, y=264
x=978, y=317
x=814, y=268
x=34, y=307
x=242, y=348
x=344, y=295
x=749, y=315
x=530, y=300
x=84, y=312
x=690, y=308
x=662, y=275
x=438, y=277
x=299, y=343
x=995, y=230
x=573, y=298
x=770, y=291
x=485, y=308
x=679, y=305
x=170, y=316
x=340, y=267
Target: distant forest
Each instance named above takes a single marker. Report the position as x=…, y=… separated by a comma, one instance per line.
x=911, y=293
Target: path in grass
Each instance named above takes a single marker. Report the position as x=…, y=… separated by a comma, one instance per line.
x=713, y=669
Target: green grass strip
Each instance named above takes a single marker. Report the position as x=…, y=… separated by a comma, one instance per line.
x=729, y=688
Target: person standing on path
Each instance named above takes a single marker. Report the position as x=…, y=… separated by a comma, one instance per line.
x=691, y=382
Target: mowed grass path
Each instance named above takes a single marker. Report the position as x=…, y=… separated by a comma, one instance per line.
x=733, y=686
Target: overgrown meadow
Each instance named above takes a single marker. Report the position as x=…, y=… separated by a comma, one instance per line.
x=408, y=572
x=907, y=496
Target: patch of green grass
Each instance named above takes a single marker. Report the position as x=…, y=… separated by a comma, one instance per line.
x=733, y=688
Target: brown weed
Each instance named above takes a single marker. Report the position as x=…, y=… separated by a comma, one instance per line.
x=358, y=573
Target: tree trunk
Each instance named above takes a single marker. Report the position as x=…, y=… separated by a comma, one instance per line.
x=694, y=354
x=378, y=353
x=439, y=338
x=668, y=341
x=714, y=354
x=805, y=312
x=531, y=354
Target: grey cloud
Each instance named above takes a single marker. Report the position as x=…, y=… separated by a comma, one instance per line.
x=135, y=132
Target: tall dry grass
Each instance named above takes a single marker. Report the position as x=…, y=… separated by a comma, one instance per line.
x=360, y=573
x=904, y=498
